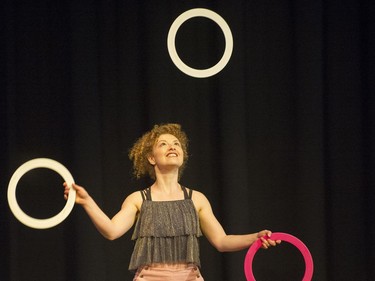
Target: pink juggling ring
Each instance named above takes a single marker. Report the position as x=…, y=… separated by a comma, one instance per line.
x=309, y=265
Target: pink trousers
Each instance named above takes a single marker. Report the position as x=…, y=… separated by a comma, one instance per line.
x=175, y=272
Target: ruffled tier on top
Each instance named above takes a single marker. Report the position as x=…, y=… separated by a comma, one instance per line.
x=166, y=232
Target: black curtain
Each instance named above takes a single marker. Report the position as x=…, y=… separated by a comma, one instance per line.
x=281, y=138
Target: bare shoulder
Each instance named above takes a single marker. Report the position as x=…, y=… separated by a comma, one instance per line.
x=134, y=199
x=200, y=200
x=197, y=195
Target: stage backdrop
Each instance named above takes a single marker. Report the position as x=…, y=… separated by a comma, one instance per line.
x=281, y=137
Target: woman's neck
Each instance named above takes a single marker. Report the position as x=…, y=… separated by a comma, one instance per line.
x=166, y=187
x=167, y=179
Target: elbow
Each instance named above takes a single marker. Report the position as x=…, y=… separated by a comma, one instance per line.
x=112, y=233
x=221, y=249
x=110, y=237
x=223, y=245
x=219, y=246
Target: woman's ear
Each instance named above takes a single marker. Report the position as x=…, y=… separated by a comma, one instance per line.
x=151, y=160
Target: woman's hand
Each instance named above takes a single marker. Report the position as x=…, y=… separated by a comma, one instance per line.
x=81, y=194
x=266, y=242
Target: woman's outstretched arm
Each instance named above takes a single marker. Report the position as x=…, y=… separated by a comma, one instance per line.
x=216, y=235
x=109, y=228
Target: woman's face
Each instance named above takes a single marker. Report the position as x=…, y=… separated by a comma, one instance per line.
x=167, y=152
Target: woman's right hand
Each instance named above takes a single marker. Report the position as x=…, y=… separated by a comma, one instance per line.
x=81, y=194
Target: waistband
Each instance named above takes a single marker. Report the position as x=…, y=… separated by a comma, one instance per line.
x=169, y=266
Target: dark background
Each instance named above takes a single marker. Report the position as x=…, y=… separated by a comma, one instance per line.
x=282, y=138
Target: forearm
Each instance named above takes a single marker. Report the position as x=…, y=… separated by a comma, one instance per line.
x=100, y=220
x=231, y=243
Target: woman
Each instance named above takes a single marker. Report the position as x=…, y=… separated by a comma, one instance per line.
x=169, y=217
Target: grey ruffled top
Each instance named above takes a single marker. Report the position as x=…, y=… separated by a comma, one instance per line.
x=166, y=232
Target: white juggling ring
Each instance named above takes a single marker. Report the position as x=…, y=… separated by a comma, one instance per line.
x=200, y=12
x=15, y=208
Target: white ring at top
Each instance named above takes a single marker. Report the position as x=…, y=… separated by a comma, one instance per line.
x=200, y=73
x=15, y=208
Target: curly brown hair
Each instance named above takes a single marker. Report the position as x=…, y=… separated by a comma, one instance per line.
x=142, y=149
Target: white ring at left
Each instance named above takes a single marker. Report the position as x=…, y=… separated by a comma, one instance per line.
x=15, y=208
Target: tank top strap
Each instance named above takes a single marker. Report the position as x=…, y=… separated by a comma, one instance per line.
x=146, y=194
x=187, y=194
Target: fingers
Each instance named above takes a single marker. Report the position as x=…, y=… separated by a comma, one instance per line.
x=269, y=242
x=266, y=241
x=67, y=189
x=265, y=232
x=81, y=194
x=75, y=186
